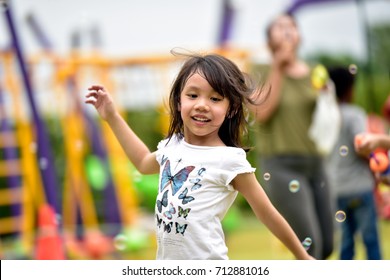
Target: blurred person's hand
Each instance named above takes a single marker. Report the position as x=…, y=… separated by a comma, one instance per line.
x=365, y=143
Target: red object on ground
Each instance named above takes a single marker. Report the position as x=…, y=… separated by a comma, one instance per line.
x=49, y=244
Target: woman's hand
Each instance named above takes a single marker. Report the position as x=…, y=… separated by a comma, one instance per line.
x=284, y=55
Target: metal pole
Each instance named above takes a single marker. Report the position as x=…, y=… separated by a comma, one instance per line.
x=46, y=162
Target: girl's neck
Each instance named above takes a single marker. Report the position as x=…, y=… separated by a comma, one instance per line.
x=204, y=141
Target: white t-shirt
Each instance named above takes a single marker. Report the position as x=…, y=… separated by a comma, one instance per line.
x=194, y=196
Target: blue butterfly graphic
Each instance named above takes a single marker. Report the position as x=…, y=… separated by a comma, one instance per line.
x=185, y=199
x=200, y=172
x=168, y=214
x=159, y=221
x=177, y=180
x=183, y=212
x=168, y=226
x=180, y=228
x=163, y=201
x=196, y=184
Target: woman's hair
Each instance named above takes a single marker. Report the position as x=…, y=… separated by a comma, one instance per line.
x=226, y=79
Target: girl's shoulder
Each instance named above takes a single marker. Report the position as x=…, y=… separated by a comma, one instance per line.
x=169, y=142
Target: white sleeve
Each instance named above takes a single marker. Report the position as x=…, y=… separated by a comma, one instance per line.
x=235, y=163
x=160, y=149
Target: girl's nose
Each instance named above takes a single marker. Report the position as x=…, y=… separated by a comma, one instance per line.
x=202, y=105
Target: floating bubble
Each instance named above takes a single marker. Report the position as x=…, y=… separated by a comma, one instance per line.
x=294, y=186
x=43, y=163
x=307, y=243
x=353, y=69
x=343, y=151
x=120, y=242
x=267, y=176
x=340, y=216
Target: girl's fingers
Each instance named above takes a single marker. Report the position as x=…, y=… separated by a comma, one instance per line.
x=96, y=87
x=91, y=101
x=91, y=94
x=95, y=93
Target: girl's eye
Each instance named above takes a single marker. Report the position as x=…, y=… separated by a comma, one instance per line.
x=216, y=99
x=192, y=95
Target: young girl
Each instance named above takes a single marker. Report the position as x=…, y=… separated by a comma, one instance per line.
x=201, y=163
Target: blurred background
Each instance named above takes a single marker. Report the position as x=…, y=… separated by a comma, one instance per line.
x=67, y=191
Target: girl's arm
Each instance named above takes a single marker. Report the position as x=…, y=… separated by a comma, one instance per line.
x=135, y=149
x=250, y=188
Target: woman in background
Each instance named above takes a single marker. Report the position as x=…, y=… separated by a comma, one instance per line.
x=295, y=179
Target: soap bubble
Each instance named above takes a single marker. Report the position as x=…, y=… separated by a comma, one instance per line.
x=294, y=186
x=353, y=69
x=307, y=243
x=343, y=151
x=340, y=216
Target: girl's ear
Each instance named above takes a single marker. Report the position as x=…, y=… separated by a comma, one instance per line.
x=179, y=106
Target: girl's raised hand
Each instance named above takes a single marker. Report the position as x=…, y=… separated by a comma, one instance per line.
x=102, y=101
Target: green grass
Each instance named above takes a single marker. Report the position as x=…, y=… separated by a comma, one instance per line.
x=253, y=241
x=250, y=241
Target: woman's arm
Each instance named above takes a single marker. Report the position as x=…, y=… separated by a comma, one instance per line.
x=267, y=106
x=250, y=188
x=134, y=147
x=283, y=57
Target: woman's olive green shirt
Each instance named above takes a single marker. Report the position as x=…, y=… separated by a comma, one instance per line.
x=286, y=131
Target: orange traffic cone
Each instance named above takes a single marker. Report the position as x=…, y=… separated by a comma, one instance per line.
x=49, y=243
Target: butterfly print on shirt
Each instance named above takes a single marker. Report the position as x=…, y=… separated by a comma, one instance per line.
x=183, y=212
x=186, y=199
x=180, y=228
x=162, y=202
x=177, y=180
x=168, y=214
x=167, y=226
x=159, y=221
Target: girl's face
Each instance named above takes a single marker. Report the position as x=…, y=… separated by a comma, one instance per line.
x=203, y=111
x=283, y=32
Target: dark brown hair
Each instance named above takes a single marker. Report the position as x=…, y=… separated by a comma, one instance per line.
x=226, y=79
